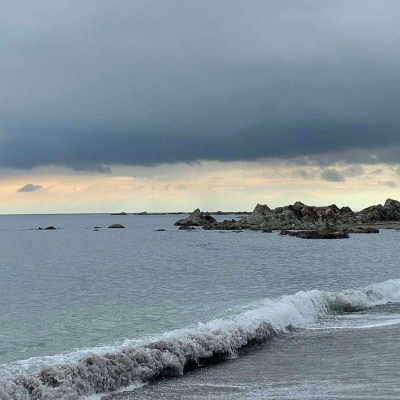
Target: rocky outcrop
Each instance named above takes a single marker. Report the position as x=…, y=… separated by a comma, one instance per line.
x=196, y=218
x=299, y=216
x=316, y=234
x=331, y=217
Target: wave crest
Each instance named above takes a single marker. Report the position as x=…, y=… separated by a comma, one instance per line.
x=175, y=352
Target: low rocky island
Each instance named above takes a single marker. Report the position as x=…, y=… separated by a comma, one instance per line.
x=320, y=221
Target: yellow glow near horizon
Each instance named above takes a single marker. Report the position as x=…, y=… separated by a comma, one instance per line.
x=236, y=186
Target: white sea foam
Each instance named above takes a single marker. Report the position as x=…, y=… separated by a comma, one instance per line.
x=111, y=369
x=365, y=325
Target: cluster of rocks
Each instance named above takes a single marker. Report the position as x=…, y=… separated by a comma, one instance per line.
x=301, y=217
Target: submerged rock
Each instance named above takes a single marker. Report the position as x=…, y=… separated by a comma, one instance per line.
x=51, y=227
x=361, y=229
x=116, y=226
x=316, y=234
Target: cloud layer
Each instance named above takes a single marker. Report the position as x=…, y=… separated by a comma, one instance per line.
x=89, y=85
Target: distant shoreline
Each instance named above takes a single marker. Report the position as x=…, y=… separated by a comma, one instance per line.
x=183, y=212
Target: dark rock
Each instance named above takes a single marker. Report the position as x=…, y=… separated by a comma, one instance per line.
x=186, y=228
x=316, y=234
x=196, y=218
x=370, y=214
x=361, y=229
x=116, y=226
x=334, y=208
x=258, y=216
x=390, y=211
x=227, y=225
x=51, y=227
x=264, y=218
x=160, y=230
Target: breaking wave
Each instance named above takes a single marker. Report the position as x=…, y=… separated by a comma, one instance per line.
x=136, y=362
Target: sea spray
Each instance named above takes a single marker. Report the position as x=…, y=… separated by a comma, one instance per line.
x=176, y=351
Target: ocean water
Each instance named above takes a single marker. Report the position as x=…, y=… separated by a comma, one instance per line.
x=137, y=313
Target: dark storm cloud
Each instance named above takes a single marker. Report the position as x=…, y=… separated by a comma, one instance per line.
x=92, y=84
x=331, y=175
x=30, y=188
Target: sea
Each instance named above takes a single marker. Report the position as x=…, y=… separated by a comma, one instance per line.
x=152, y=312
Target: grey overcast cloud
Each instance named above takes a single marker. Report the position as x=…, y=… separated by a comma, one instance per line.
x=93, y=84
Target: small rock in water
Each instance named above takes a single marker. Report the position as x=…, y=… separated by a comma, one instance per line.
x=160, y=230
x=50, y=227
x=116, y=226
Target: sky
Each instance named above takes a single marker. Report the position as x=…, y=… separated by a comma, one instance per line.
x=150, y=105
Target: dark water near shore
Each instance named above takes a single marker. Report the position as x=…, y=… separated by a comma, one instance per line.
x=71, y=293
